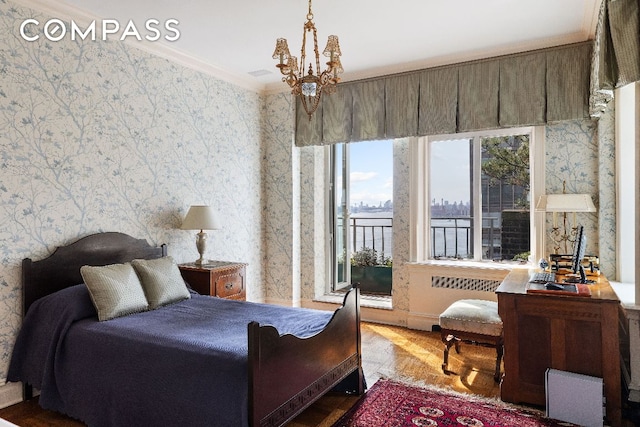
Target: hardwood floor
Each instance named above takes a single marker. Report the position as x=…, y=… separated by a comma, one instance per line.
x=388, y=352
x=413, y=357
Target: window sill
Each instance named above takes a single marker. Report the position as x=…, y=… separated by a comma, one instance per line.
x=506, y=265
x=369, y=301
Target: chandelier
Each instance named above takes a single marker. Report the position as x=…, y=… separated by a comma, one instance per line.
x=310, y=86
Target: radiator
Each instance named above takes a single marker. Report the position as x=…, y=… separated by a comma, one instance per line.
x=574, y=398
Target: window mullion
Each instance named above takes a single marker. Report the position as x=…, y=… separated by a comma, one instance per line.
x=477, y=198
x=426, y=249
x=419, y=214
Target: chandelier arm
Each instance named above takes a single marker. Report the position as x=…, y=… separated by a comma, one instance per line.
x=315, y=50
x=303, y=51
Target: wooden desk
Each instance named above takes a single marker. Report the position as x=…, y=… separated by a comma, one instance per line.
x=569, y=333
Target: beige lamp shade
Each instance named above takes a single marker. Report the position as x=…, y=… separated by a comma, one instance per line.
x=565, y=203
x=201, y=218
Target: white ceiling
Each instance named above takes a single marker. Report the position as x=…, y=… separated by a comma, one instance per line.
x=234, y=38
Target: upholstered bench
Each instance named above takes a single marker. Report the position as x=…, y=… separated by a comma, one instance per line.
x=473, y=321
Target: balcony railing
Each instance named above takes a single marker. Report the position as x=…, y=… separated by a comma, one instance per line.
x=451, y=237
x=375, y=233
x=371, y=232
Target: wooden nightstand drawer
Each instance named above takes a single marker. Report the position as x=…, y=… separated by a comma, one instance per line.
x=217, y=278
x=230, y=284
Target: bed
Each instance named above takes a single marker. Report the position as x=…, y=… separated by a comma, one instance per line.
x=199, y=361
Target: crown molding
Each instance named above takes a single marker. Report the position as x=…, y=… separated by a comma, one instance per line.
x=463, y=57
x=60, y=10
x=590, y=21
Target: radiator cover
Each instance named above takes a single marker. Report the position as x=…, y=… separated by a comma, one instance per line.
x=574, y=398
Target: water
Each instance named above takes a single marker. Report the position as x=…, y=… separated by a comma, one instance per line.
x=443, y=237
x=373, y=230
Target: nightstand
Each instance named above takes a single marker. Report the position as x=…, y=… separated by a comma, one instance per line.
x=216, y=278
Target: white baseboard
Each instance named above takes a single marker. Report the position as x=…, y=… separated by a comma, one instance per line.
x=386, y=316
x=422, y=322
x=10, y=394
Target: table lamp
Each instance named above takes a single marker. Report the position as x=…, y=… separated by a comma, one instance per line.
x=563, y=203
x=201, y=218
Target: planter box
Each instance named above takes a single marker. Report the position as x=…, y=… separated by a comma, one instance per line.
x=372, y=280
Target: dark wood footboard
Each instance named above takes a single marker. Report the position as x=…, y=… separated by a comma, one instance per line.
x=287, y=374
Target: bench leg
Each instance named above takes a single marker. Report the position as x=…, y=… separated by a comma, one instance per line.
x=500, y=351
x=448, y=341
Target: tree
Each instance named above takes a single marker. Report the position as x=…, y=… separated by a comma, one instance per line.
x=506, y=161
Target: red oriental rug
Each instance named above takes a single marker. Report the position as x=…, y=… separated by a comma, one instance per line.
x=392, y=404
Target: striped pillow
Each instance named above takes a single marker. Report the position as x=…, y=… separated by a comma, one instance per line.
x=161, y=280
x=115, y=290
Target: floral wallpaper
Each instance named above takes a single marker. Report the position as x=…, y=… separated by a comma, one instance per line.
x=279, y=201
x=580, y=155
x=607, y=194
x=401, y=225
x=101, y=136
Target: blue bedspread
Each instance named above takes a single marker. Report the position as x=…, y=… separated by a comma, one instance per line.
x=181, y=365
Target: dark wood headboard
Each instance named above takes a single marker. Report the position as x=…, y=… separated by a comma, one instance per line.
x=61, y=269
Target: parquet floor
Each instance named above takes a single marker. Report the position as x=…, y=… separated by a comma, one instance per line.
x=388, y=352
x=413, y=357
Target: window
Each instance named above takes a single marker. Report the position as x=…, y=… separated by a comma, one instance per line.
x=472, y=197
x=361, y=215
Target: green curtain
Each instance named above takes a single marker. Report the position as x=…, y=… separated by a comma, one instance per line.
x=438, y=88
x=530, y=88
x=616, y=58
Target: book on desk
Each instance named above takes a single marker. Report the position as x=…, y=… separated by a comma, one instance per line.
x=570, y=289
x=558, y=284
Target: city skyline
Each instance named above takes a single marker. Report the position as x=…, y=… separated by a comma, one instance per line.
x=371, y=174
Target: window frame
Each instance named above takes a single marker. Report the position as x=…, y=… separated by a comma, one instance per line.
x=420, y=220
x=332, y=266
x=331, y=164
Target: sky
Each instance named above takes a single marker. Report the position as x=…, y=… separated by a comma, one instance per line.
x=372, y=172
x=450, y=178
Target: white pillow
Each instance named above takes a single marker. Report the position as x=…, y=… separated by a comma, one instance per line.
x=161, y=280
x=115, y=290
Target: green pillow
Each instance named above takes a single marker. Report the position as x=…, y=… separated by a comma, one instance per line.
x=161, y=280
x=115, y=290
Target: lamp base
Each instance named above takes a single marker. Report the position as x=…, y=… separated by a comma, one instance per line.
x=201, y=244
x=201, y=261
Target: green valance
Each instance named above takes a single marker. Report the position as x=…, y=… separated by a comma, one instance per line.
x=616, y=58
x=530, y=88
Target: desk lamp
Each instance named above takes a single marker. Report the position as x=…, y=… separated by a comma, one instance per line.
x=201, y=218
x=563, y=203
